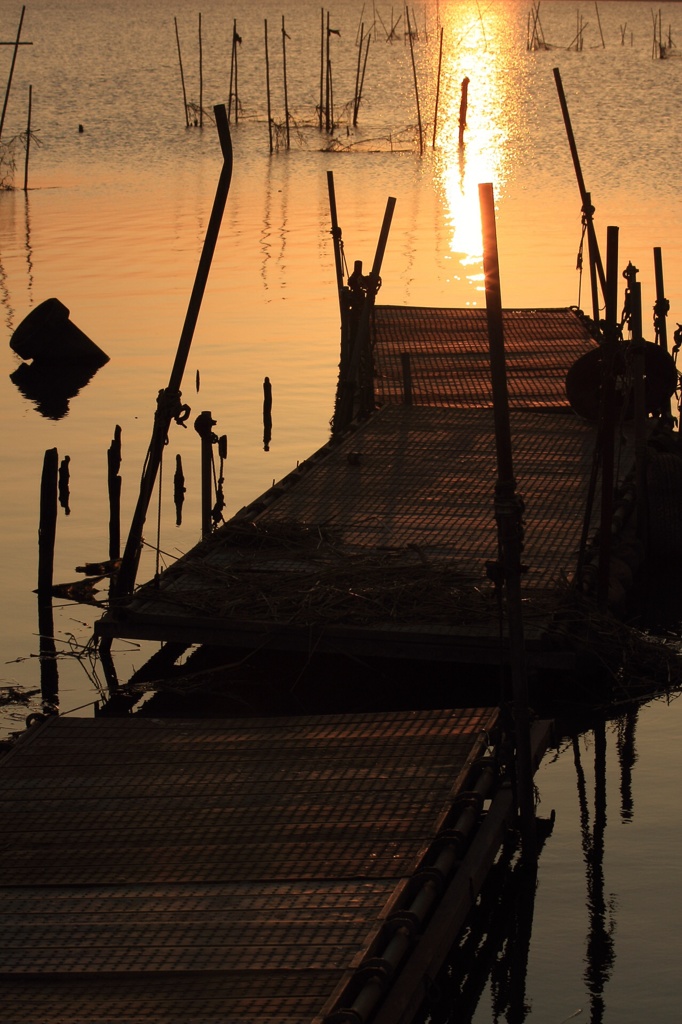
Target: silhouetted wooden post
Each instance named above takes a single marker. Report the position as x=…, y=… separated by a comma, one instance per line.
x=416, y=86
x=336, y=237
x=203, y=425
x=267, y=414
x=178, y=490
x=182, y=74
x=284, y=68
x=28, y=137
x=114, y=482
x=267, y=84
x=168, y=402
x=435, y=112
x=463, y=104
x=47, y=528
x=662, y=305
x=508, y=514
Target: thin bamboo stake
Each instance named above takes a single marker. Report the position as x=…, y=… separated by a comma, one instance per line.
x=357, y=75
x=416, y=87
x=11, y=70
x=267, y=84
x=326, y=103
x=182, y=74
x=201, y=78
x=231, y=87
x=284, y=69
x=362, y=79
x=322, y=74
x=596, y=7
x=28, y=137
x=435, y=113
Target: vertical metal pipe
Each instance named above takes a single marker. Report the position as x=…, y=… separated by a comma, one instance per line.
x=508, y=513
x=607, y=425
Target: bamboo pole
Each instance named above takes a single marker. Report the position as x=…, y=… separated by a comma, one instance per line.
x=231, y=88
x=322, y=71
x=267, y=84
x=168, y=402
x=286, y=94
x=440, y=64
x=11, y=70
x=201, y=78
x=508, y=513
x=640, y=414
x=327, y=124
x=182, y=74
x=336, y=237
x=357, y=75
x=235, y=46
x=362, y=77
x=28, y=137
x=416, y=87
x=596, y=7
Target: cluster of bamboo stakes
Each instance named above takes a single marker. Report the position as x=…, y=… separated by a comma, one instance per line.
x=25, y=138
x=326, y=116
x=535, y=38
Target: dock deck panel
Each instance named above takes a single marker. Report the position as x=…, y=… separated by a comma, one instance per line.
x=223, y=870
x=380, y=540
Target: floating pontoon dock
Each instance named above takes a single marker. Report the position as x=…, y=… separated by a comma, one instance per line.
x=243, y=870
x=381, y=543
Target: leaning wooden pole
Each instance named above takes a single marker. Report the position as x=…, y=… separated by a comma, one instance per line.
x=11, y=71
x=336, y=237
x=508, y=513
x=416, y=85
x=607, y=417
x=169, y=406
x=588, y=210
x=182, y=74
x=435, y=112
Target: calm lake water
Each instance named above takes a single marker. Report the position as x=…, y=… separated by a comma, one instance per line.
x=113, y=223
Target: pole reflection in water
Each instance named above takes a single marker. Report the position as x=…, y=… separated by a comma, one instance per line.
x=600, y=945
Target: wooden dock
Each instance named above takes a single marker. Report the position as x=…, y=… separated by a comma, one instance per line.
x=381, y=543
x=243, y=870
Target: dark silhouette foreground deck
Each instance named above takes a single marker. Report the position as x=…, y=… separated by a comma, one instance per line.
x=378, y=544
x=236, y=870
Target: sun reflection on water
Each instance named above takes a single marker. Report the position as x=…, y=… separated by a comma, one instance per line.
x=474, y=51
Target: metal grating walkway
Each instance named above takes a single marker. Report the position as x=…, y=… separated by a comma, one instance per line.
x=205, y=871
x=450, y=359
x=378, y=543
